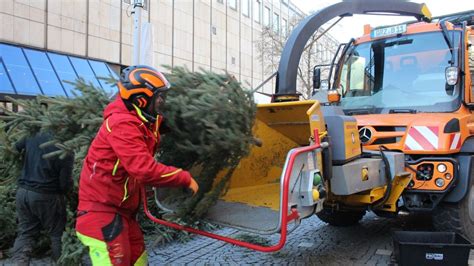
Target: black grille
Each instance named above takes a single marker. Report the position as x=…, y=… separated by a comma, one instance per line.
x=364, y=137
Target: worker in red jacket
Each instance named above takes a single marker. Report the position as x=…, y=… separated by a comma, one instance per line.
x=120, y=162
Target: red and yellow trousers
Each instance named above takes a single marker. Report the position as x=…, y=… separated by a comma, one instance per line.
x=112, y=239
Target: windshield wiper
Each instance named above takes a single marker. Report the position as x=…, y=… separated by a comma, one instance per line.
x=363, y=110
x=444, y=30
x=402, y=111
x=358, y=112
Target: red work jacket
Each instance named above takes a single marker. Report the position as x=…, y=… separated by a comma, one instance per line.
x=120, y=161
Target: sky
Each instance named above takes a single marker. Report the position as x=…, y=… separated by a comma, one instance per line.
x=353, y=26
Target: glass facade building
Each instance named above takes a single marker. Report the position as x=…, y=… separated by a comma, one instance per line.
x=31, y=72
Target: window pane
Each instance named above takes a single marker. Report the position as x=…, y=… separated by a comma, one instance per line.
x=276, y=22
x=102, y=71
x=65, y=71
x=84, y=70
x=266, y=16
x=257, y=9
x=284, y=27
x=114, y=69
x=19, y=70
x=44, y=73
x=245, y=7
x=232, y=4
x=5, y=84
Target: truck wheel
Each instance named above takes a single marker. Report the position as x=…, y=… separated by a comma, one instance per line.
x=457, y=217
x=340, y=218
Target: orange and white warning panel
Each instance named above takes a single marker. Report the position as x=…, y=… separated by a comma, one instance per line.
x=422, y=138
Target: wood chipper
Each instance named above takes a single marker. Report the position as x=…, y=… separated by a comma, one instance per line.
x=396, y=133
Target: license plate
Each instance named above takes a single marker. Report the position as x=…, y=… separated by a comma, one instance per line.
x=387, y=31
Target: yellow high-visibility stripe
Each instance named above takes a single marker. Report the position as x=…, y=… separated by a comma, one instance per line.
x=157, y=126
x=172, y=173
x=107, y=125
x=115, y=167
x=125, y=194
x=142, y=260
x=97, y=249
x=139, y=113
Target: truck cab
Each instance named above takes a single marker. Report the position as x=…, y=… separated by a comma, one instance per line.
x=409, y=87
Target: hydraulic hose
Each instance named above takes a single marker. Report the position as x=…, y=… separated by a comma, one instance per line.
x=327, y=158
x=388, y=177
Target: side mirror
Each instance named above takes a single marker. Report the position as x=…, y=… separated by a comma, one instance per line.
x=316, y=78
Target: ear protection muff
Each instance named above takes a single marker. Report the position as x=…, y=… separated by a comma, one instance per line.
x=141, y=101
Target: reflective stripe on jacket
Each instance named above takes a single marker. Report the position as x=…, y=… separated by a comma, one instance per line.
x=121, y=160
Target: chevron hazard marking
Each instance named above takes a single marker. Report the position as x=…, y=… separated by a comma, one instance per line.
x=455, y=141
x=422, y=138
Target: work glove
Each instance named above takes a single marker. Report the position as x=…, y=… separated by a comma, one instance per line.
x=193, y=185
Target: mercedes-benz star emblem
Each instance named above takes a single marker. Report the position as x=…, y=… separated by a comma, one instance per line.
x=365, y=134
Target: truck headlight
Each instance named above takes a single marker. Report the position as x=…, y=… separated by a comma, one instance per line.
x=439, y=182
x=441, y=168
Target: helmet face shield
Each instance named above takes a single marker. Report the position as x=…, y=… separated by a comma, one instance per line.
x=157, y=103
x=162, y=95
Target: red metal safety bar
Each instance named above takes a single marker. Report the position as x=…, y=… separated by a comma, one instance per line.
x=285, y=219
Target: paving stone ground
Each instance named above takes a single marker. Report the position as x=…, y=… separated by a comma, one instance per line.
x=313, y=243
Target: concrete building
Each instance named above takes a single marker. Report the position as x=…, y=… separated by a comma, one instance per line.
x=74, y=38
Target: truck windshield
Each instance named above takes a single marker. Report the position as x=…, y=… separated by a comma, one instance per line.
x=404, y=72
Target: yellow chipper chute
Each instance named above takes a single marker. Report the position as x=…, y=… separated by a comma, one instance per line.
x=253, y=200
x=279, y=182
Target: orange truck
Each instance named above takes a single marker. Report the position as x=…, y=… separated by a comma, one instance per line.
x=396, y=134
x=409, y=88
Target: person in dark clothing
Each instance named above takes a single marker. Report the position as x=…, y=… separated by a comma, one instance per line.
x=40, y=198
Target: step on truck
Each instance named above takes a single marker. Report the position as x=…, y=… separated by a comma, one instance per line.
x=395, y=134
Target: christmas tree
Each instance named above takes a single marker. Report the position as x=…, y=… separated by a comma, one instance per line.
x=210, y=117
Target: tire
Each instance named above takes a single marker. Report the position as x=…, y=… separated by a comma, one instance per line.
x=457, y=217
x=340, y=218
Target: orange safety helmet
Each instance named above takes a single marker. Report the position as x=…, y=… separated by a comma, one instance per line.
x=139, y=86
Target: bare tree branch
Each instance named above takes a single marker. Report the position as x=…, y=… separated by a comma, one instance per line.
x=271, y=45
